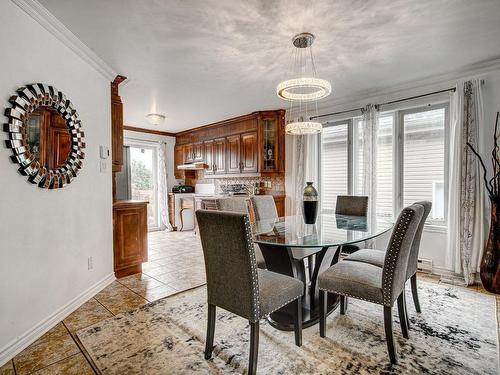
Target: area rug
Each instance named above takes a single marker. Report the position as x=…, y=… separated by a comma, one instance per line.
x=455, y=334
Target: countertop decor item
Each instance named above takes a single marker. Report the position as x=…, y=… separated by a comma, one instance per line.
x=45, y=135
x=304, y=89
x=310, y=203
x=490, y=263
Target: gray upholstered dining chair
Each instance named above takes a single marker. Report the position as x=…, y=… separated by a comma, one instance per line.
x=376, y=257
x=264, y=207
x=240, y=204
x=353, y=205
x=380, y=285
x=234, y=282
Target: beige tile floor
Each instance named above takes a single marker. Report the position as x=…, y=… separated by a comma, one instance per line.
x=175, y=264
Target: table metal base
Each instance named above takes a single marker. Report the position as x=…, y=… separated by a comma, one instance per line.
x=282, y=260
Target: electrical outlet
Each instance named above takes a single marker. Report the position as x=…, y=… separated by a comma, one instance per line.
x=103, y=166
x=90, y=263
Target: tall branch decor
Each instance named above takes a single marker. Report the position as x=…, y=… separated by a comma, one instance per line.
x=490, y=262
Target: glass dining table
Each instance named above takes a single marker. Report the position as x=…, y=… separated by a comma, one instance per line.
x=304, y=251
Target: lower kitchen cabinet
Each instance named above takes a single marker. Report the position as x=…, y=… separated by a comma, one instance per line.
x=279, y=201
x=130, y=236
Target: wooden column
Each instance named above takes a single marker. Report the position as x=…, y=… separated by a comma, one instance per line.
x=116, y=129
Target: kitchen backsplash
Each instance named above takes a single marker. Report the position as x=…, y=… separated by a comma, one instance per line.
x=277, y=183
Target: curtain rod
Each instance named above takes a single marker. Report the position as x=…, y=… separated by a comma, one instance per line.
x=391, y=102
x=453, y=89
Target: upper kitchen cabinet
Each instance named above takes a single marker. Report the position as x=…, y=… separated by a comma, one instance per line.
x=189, y=153
x=233, y=154
x=219, y=156
x=208, y=150
x=249, y=153
x=251, y=144
x=178, y=160
x=198, y=152
x=272, y=142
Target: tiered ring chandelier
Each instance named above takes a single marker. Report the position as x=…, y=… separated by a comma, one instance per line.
x=305, y=90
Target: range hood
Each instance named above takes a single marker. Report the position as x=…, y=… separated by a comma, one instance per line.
x=193, y=166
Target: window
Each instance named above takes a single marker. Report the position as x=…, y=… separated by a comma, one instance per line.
x=411, y=160
x=334, y=165
x=423, y=158
x=384, y=162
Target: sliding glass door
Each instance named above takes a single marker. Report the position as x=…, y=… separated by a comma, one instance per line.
x=143, y=179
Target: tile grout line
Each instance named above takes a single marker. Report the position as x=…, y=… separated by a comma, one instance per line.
x=79, y=347
x=100, y=303
x=135, y=291
x=56, y=362
x=50, y=364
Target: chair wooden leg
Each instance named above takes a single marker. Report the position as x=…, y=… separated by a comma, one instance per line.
x=254, y=348
x=389, y=337
x=343, y=305
x=298, y=322
x=209, y=345
x=414, y=292
x=403, y=318
x=323, y=298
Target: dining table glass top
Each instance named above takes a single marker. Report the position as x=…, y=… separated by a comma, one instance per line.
x=329, y=230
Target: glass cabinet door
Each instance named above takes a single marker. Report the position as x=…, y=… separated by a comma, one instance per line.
x=269, y=132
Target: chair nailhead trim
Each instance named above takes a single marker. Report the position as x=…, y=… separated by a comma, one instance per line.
x=392, y=254
x=286, y=303
x=253, y=270
x=350, y=295
x=390, y=260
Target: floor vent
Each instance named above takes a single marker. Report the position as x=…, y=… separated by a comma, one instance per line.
x=424, y=265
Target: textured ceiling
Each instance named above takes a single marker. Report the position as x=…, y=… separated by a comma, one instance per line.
x=203, y=61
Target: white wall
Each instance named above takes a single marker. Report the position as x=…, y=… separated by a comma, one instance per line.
x=433, y=243
x=47, y=236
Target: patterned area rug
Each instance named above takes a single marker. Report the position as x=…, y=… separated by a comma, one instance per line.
x=455, y=334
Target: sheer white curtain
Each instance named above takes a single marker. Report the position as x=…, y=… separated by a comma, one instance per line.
x=368, y=144
x=163, y=187
x=302, y=166
x=466, y=198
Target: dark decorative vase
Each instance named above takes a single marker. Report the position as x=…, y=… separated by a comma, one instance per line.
x=490, y=264
x=310, y=204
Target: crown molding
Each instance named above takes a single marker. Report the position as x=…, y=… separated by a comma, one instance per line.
x=50, y=23
x=437, y=81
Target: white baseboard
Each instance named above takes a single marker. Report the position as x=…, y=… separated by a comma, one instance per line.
x=31, y=335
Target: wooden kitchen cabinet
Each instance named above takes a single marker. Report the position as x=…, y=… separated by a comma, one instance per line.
x=279, y=201
x=272, y=144
x=178, y=160
x=198, y=152
x=130, y=236
x=249, y=153
x=116, y=125
x=249, y=144
x=188, y=153
x=208, y=150
x=233, y=154
x=219, y=155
